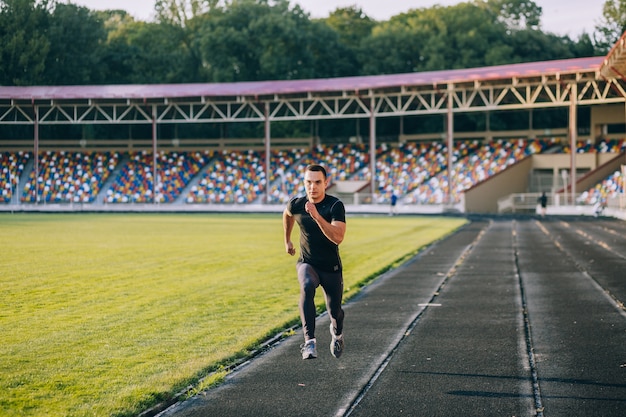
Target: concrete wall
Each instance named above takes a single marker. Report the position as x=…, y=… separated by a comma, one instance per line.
x=603, y=171
x=603, y=158
x=606, y=114
x=483, y=197
x=557, y=162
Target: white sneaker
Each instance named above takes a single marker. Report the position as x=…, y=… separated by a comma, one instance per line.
x=308, y=349
x=336, y=344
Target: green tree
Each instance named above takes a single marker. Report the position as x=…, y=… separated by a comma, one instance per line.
x=145, y=53
x=466, y=35
x=533, y=45
x=517, y=14
x=23, y=42
x=401, y=44
x=77, y=38
x=181, y=12
x=461, y=36
x=252, y=40
x=474, y=36
x=351, y=24
x=183, y=20
x=119, y=55
x=584, y=46
x=611, y=25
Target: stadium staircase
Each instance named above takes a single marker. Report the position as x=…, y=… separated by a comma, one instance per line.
x=276, y=185
x=28, y=168
x=102, y=195
x=182, y=198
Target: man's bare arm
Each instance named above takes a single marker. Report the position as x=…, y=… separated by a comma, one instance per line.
x=334, y=231
x=288, y=222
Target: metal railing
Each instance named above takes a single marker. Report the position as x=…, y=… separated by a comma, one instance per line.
x=525, y=202
x=529, y=202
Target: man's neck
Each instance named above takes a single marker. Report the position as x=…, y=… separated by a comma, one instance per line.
x=319, y=200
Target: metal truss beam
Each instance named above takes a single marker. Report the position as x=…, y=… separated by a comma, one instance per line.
x=515, y=94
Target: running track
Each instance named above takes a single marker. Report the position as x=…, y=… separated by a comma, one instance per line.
x=507, y=317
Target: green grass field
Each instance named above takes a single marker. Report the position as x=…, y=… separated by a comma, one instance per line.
x=108, y=314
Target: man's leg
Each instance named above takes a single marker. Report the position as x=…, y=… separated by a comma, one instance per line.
x=333, y=291
x=309, y=281
x=332, y=282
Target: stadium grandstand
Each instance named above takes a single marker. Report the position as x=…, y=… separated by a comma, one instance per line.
x=580, y=164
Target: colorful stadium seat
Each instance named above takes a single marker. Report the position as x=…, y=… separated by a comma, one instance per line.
x=12, y=167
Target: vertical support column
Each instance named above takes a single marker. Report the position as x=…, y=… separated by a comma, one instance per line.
x=267, y=152
x=450, y=141
x=373, y=146
x=36, y=151
x=154, y=156
x=622, y=197
x=573, y=132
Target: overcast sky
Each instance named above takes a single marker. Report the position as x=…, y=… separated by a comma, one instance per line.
x=569, y=17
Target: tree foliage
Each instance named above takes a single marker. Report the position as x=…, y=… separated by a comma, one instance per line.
x=612, y=24
x=253, y=40
x=180, y=12
x=24, y=45
x=74, y=32
x=518, y=14
x=351, y=24
x=49, y=42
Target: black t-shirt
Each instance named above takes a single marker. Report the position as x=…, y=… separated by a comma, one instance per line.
x=315, y=248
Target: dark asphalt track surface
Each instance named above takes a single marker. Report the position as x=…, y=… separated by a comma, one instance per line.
x=511, y=317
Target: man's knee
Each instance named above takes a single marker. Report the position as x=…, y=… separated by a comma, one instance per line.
x=308, y=287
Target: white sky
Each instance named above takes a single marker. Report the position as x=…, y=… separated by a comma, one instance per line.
x=560, y=17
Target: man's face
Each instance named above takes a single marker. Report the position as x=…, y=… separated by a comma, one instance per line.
x=315, y=185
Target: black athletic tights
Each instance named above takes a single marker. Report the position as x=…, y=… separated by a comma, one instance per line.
x=332, y=283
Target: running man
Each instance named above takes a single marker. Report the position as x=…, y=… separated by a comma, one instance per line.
x=322, y=221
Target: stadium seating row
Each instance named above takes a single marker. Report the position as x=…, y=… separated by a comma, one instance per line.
x=13, y=165
x=604, y=146
x=69, y=177
x=343, y=161
x=488, y=160
x=610, y=187
x=231, y=177
x=415, y=172
x=134, y=184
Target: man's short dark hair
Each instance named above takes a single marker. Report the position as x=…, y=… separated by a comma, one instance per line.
x=316, y=168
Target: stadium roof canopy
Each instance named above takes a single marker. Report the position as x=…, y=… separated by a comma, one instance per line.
x=614, y=65
x=530, y=85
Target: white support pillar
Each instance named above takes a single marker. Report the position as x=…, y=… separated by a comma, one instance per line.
x=36, y=151
x=155, y=178
x=267, y=152
x=450, y=141
x=573, y=132
x=622, y=197
x=373, y=146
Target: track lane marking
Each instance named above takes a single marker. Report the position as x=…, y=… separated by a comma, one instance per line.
x=352, y=403
x=616, y=302
x=528, y=339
